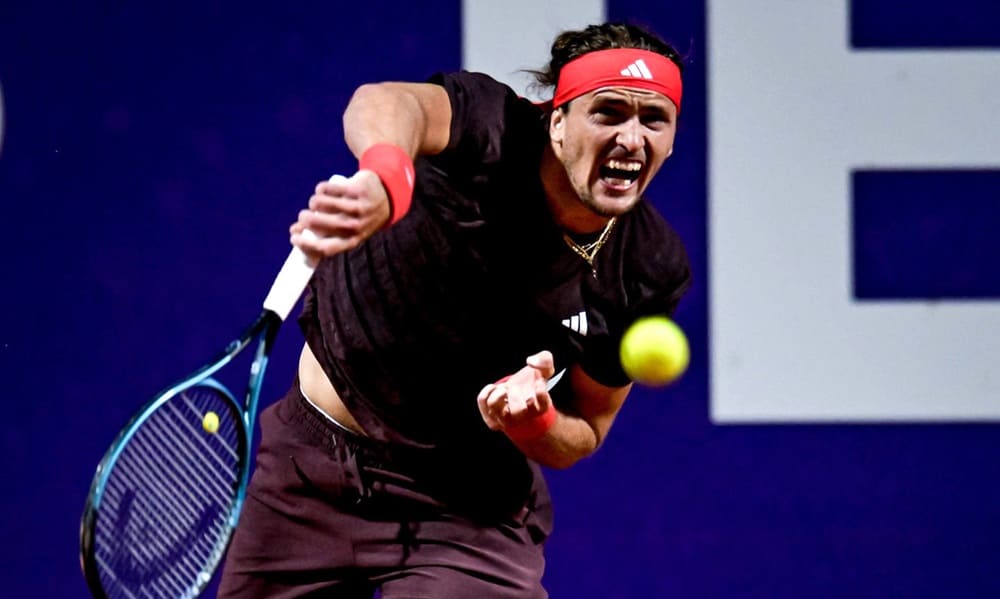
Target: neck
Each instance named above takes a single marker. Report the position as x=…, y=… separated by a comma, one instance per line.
x=568, y=210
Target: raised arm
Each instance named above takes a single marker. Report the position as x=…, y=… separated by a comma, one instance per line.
x=386, y=125
x=413, y=116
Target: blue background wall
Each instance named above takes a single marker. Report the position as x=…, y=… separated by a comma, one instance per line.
x=152, y=160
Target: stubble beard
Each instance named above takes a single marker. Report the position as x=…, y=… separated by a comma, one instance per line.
x=587, y=198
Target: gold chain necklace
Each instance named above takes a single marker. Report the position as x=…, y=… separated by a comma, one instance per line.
x=588, y=251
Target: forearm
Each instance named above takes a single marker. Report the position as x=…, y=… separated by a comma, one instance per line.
x=521, y=406
x=570, y=439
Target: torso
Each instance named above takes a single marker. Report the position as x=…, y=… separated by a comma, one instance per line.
x=411, y=325
x=320, y=391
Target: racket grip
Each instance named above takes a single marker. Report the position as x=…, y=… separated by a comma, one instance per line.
x=293, y=276
x=291, y=281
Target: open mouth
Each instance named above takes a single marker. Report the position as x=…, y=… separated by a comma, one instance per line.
x=620, y=173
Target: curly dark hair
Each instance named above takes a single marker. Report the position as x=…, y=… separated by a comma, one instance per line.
x=571, y=44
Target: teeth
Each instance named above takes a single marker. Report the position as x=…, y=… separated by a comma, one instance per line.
x=622, y=165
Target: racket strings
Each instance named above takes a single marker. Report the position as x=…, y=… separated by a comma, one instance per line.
x=166, y=505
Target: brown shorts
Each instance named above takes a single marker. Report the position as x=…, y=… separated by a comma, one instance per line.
x=332, y=514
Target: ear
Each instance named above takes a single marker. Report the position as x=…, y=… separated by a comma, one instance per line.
x=556, y=123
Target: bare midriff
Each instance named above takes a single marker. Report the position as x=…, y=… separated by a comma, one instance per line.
x=317, y=387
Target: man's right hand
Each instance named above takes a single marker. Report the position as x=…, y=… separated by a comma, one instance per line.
x=342, y=213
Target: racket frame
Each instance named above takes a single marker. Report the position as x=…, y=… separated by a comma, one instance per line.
x=264, y=329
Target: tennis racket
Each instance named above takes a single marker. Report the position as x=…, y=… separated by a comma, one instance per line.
x=167, y=495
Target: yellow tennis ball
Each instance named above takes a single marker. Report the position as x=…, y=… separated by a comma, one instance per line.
x=654, y=351
x=210, y=422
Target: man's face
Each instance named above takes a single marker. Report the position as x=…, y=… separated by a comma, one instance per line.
x=611, y=142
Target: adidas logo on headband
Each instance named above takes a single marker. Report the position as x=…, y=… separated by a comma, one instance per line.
x=637, y=69
x=602, y=68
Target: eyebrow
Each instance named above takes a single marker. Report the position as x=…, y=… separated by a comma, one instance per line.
x=652, y=102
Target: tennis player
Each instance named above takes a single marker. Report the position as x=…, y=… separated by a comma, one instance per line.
x=486, y=248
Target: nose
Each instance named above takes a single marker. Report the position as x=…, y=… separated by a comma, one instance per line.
x=630, y=135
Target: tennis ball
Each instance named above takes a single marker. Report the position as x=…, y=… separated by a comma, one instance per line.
x=654, y=351
x=210, y=422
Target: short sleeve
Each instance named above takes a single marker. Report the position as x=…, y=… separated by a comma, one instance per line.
x=487, y=117
x=656, y=273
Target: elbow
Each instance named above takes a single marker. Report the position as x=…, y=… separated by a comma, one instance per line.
x=367, y=91
x=364, y=96
x=561, y=462
x=383, y=95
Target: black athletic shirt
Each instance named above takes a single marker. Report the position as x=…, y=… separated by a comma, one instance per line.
x=413, y=323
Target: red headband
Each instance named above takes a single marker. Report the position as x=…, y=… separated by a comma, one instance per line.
x=619, y=67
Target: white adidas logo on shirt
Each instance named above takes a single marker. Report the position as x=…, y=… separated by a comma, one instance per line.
x=577, y=323
x=638, y=69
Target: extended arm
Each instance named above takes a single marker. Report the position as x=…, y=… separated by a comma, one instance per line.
x=416, y=117
x=413, y=116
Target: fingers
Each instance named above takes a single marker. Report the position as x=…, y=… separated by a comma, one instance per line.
x=520, y=396
x=332, y=221
x=517, y=400
x=339, y=185
x=492, y=401
x=506, y=404
x=543, y=362
x=540, y=399
x=342, y=213
x=327, y=239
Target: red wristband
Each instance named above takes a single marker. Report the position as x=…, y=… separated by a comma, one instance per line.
x=529, y=430
x=394, y=168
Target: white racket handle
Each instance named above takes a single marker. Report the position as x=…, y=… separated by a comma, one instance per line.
x=293, y=277
x=554, y=380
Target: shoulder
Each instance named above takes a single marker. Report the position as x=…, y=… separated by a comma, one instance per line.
x=471, y=81
x=472, y=90
x=655, y=259
x=488, y=120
